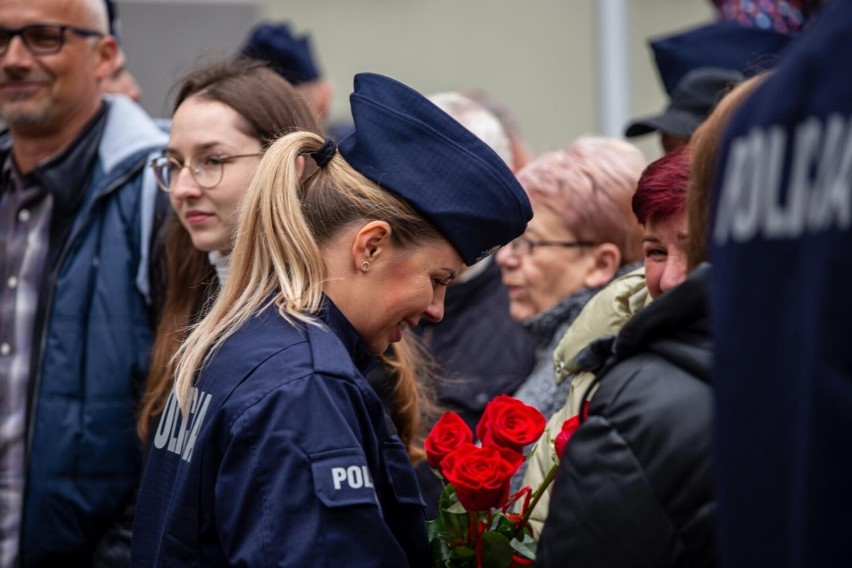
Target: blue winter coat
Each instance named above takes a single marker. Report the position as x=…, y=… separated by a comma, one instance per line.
x=287, y=459
x=92, y=338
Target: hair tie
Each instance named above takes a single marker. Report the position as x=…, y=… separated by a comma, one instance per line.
x=325, y=153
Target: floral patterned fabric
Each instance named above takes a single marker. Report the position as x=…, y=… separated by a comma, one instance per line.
x=783, y=16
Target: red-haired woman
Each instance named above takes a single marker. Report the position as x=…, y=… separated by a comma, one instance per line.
x=660, y=205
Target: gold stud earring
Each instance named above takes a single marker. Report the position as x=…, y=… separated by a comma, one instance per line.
x=365, y=266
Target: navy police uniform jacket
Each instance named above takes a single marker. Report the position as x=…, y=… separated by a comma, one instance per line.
x=782, y=253
x=287, y=459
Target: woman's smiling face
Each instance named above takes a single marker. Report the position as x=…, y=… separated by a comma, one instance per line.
x=404, y=287
x=664, y=246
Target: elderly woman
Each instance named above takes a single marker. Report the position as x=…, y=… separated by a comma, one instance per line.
x=582, y=235
x=273, y=448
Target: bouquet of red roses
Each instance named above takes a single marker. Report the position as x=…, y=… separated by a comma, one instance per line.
x=475, y=525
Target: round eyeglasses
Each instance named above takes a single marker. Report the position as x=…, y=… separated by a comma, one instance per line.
x=206, y=169
x=41, y=39
x=522, y=246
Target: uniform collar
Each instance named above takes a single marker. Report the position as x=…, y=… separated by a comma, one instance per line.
x=347, y=335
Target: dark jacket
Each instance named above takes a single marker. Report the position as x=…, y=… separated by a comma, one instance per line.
x=286, y=460
x=635, y=487
x=92, y=337
x=480, y=350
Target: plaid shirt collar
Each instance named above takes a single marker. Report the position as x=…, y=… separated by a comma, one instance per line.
x=65, y=174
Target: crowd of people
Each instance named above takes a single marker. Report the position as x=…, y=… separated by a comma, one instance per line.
x=224, y=334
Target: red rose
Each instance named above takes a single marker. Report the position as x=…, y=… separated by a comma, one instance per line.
x=481, y=476
x=509, y=423
x=449, y=432
x=568, y=428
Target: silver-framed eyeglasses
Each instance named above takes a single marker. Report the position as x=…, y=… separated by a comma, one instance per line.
x=42, y=39
x=523, y=246
x=206, y=169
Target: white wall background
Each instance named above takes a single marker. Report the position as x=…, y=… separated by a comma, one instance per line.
x=539, y=57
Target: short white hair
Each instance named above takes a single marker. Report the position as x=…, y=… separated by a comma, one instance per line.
x=478, y=119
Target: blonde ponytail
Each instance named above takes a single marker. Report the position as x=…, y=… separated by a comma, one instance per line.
x=275, y=260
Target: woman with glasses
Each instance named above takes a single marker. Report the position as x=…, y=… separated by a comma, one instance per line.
x=273, y=449
x=225, y=116
x=582, y=235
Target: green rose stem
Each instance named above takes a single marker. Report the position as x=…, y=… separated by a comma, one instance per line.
x=476, y=526
x=548, y=479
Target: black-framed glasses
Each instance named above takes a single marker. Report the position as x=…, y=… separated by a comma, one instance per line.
x=42, y=39
x=522, y=246
x=206, y=169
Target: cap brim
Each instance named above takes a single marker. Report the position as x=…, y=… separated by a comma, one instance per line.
x=678, y=123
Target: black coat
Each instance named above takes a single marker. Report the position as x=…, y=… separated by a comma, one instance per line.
x=481, y=352
x=636, y=487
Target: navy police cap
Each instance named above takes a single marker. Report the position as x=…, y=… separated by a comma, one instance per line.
x=721, y=44
x=287, y=54
x=410, y=147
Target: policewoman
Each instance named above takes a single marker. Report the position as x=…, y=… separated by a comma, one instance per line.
x=273, y=450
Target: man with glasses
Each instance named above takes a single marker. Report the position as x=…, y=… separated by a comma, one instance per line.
x=76, y=210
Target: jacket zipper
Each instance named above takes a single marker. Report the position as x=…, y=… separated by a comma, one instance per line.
x=37, y=372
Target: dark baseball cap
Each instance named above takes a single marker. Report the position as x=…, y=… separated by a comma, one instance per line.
x=691, y=102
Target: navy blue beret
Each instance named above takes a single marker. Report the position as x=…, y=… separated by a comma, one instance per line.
x=727, y=45
x=409, y=146
x=290, y=56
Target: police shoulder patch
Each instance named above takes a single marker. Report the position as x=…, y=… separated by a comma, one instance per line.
x=342, y=478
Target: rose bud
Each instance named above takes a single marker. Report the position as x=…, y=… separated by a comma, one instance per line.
x=568, y=428
x=449, y=432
